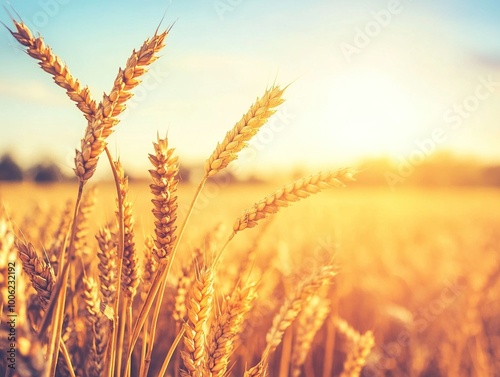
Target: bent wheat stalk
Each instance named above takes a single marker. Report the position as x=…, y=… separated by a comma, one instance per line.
x=292, y=192
x=288, y=194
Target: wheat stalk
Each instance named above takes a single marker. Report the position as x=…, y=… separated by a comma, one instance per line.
x=130, y=269
x=224, y=153
x=58, y=238
x=164, y=187
x=82, y=221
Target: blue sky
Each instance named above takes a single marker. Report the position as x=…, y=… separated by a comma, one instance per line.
x=352, y=94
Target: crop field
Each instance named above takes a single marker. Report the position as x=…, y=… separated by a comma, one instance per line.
x=320, y=276
x=415, y=291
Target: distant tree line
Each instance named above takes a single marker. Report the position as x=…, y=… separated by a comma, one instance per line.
x=437, y=170
x=440, y=169
x=11, y=171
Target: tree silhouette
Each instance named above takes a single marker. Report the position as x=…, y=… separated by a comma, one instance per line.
x=45, y=173
x=9, y=169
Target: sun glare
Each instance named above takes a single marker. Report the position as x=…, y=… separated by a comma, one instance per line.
x=375, y=114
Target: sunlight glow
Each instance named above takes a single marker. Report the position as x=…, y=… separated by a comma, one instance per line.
x=374, y=112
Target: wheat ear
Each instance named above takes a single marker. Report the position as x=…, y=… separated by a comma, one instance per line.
x=362, y=345
x=40, y=272
x=165, y=179
x=50, y=63
x=292, y=192
x=96, y=361
x=199, y=306
x=107, y=265
x=309, y=322
x=130, y=269
x=259, y=370
x=290, y=310
x=150, y=266
x=244, y=130
x=226, y=327
x=164, y=187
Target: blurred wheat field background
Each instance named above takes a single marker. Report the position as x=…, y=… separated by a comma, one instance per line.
x=422, y=277
x=388, y=270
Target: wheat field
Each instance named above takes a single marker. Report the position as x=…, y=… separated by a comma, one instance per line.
x=160, y=278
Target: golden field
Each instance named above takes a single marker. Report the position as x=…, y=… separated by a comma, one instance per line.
x=158, y=278
x=417, y=267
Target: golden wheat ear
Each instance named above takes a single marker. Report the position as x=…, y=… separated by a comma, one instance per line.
x=199, y=306
x=290, y=193
x=289, y=311
x=52, y=64
x=165, y=177
x=39, y=271
x=310, y=321
x=226, y=327
x=361, y=346
x=244, y=130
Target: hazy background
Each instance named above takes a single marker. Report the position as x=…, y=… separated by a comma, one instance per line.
x=401, y=79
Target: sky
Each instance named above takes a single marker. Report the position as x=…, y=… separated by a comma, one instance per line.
x=367, y=78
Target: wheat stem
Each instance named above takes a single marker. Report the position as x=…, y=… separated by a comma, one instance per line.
x=166, y=361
